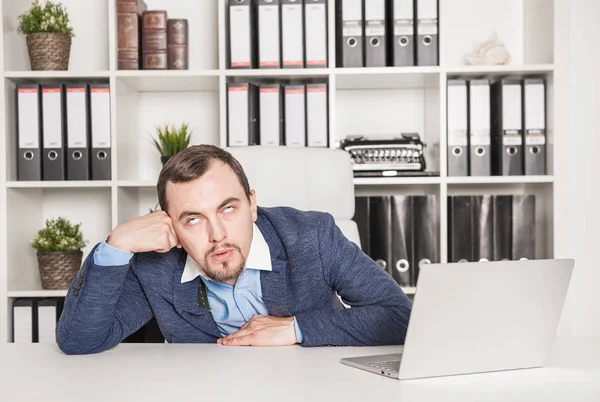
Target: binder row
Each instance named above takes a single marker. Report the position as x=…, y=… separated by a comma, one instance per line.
x=496, y=127
x=381, y=33
x=491, y=227
x=277, y=34
x=34, y=319
x=63, y=131
x=399, y=232
x=273, y=114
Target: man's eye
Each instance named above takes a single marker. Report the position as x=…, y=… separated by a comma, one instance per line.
x=192, y=220
x=228, y=209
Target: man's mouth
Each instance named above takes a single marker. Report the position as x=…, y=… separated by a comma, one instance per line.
x=222, y=254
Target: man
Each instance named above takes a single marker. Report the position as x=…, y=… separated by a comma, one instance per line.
x=212, y=266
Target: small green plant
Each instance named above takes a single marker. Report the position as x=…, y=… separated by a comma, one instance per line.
x=171, y=139
x=59, y=235
x=48, y=17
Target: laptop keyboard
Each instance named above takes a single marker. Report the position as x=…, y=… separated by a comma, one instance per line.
x=392, y=366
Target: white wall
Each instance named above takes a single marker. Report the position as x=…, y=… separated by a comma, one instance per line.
x=577, y=60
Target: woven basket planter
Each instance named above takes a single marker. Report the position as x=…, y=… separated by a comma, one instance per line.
x=58, y=268
x=49, y=51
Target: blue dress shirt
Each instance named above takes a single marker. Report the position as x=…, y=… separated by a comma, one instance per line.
x=232, y=306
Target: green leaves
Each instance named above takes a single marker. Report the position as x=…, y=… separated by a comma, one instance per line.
x=172, y=139
x=49, y=17
x=58, y=235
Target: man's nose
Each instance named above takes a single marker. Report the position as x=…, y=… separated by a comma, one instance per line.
x=217, y=232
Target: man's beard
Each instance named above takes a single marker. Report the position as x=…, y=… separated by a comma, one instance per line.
x=226, y=272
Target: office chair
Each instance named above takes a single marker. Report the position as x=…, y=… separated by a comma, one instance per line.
x=309, y=179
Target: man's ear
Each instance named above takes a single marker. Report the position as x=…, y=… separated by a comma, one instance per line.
x=253, y=207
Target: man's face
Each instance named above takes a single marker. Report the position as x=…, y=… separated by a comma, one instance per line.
x=213, y=220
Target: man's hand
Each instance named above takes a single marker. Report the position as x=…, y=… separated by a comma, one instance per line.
x=263, y=330
x=152, y=232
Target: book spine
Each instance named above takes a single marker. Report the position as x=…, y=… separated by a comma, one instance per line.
x=177, y=43
x=154, y=40
x=129, y=33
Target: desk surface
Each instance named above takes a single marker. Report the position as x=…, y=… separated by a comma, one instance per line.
x=187, y=372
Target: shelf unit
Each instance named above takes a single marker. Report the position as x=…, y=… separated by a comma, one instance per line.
x=361, y=100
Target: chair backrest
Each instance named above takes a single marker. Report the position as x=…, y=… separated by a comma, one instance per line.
x=309, y=179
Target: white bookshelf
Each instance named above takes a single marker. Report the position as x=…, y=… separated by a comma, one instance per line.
x=362, y=101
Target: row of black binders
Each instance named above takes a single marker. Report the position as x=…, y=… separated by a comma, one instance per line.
x=63, y=131
x=34, y=319
x=277, y=34
x=399, y=232
x=496, y=127
x=491, y=227
x=382, y=33
x=275, y=114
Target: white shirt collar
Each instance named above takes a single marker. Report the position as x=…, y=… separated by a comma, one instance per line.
x=259, y=257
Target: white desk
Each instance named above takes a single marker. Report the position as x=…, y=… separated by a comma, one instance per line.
x=182, y=373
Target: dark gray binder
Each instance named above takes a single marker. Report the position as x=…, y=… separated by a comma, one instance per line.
x=350, y=32
x=381, y=231
x=24, y=320
x=375, y=33
x=315, y=33
x=100, y=128
x=482, y=207
x=78, y=132
x=534, y=110
x=502, y=227
x=507, y=133
x=457, y=126
x=271, y=114
x=479, y=128
x=29, y=132
x=402, y=47
x=54, y=165
x=460, y=232
x=269, y=34
x=242, y=114
x=523, y=226
x=362, y=217
x=427, y=32
x=402, y=239
x=425, y=233
x=242, y=34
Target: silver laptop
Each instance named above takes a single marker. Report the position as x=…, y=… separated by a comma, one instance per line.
x=478, y=317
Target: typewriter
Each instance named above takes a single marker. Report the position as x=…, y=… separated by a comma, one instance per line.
x=393, y=156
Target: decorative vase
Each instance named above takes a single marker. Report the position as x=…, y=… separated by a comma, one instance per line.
x=49, y=51
x=58, y=268
x=165, y=159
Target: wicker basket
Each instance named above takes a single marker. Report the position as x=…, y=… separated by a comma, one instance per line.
x=58, y=268
x=49, y=51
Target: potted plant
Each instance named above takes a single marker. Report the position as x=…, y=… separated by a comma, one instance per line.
x=59, y=253
x=172, y=140
x=48, y=35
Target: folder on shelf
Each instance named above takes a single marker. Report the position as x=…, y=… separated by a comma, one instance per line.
x=381, y=231
x=479, y=128
x=375, y=33
x=502, y=217
x=268, y=34
x=427, y=32
x=315, y=33
x=350, y=28
x=78, y=153
x=29, y=132
x=523, y=226
x=54, y=165
x=507, y=133
x=425, y=234
x=242, y=114
x=295, y=115
x=100, y=132
x=362, y=217
x=482, y=208
x=403, y=44
x=457, y=122
x=316, y=115
x=48, y=314
x=271, y=114
x=242, y=34
x=460, y=233
x=292, y=33
x=24, y=320
x=534, y=109
x=402, y=239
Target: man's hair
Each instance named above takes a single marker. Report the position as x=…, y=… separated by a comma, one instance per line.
x=193, y=162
